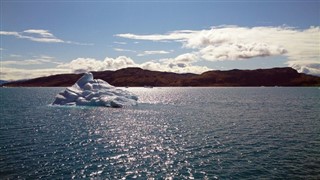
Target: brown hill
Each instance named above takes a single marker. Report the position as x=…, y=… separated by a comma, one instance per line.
x=259, y=77
x=140, y=77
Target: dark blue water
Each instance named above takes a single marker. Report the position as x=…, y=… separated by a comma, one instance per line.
x=174, y=133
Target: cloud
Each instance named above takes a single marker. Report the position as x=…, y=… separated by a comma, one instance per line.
x=183, y=63
x=91, y=64
x=236, y=43
x=308, y=67
x=223, y=43
x=118, y=63
x=180, y=64
x=177, y=35
x=44, y=57
x=15, y=55
x=146, y=53
x=20, y=73
x=124, y=50
x=186, y=58
x=37, y=60
x=240, y=51
x=42, y=35
x=40, y=32
x=8, y=33
x=174, y=67
x=39, y=35
x=122, y=43
x=24, y=62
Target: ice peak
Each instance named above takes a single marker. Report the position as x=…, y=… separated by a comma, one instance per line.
x=87, y=77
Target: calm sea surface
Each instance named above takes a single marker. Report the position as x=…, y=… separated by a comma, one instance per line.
x=178, y=133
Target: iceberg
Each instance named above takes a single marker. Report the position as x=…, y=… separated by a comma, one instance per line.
x=95, y=92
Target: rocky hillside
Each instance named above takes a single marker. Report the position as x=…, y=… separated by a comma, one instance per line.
x=139, y=77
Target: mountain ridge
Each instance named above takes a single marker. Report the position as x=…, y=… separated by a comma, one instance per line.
x=136, y=77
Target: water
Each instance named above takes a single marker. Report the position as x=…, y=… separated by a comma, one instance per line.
x=178, y=133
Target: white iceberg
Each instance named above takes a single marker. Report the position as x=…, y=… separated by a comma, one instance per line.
x=95, y=92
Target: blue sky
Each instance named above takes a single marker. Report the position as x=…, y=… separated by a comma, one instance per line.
x=42, y=38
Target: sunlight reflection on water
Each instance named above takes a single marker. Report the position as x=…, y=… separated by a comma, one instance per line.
x=181, y=133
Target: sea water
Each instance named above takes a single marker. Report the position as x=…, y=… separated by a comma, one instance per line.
x=174, y=133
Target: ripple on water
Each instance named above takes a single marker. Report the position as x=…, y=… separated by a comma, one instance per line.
x=178, y=133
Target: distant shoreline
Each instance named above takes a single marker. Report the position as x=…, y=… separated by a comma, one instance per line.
x=137, y=77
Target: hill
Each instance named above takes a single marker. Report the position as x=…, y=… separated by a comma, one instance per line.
x=139, y=77
x=3, y=82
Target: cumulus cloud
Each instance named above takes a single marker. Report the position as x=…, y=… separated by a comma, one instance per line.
x=180, y=64
x=236, y=43
x=91, y=64
x=39, y=35
x=308, y=67
x=145, y=53
x=186, y=58
x=174, y=67
x=235, y=51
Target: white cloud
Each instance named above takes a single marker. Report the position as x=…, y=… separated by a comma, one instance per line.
x=239, y=51
x=8, y=33
x=83, y=65
x=15, y=55
x=308, y=67
x=118, y=63
x=19, y=73
x=40, y=32
x=174, y=67
x=44, y=57
x=122, y=43
x=177, y=35
x=180, y=64
x=236, y=43
x=224, y=43
x=124, y=50
x=186, y=58
x=43, y=35
x=39, y=35
x=36, y=60
x=145, y=53
x=24, y=62
x=91, y=64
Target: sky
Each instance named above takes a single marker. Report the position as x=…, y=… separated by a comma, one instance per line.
x=41, y=38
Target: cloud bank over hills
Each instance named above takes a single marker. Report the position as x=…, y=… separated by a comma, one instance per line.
x=225, y=43
x=301, y=48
